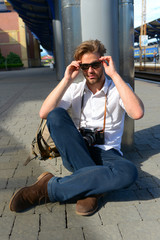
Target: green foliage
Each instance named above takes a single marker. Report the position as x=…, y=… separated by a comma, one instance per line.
x=13, y=58
x=12, y=65
x=11, y=61
x=2, y=59
x=2, y=65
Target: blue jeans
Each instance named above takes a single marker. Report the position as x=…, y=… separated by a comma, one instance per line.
x=95, y=171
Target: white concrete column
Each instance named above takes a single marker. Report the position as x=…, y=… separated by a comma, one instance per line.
x=99, y=20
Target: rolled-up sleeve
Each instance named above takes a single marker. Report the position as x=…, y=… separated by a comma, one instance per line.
x=66, y=100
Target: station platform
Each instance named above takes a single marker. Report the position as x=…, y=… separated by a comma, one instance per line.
x=152, y=68
x=128, y=214
x=154, y=76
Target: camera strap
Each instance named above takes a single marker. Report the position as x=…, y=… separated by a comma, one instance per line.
x=105, y=111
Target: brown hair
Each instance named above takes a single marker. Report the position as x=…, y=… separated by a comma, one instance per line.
x=91, y=46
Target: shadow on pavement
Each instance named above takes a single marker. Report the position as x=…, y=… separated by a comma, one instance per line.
x=146, y=157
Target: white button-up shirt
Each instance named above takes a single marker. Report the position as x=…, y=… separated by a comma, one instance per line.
x=91, y=114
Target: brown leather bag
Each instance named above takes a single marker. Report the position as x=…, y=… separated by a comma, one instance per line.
x=42, y=146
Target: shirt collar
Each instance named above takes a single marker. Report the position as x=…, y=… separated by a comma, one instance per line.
x=105, y=87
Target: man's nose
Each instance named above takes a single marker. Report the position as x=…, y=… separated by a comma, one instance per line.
x=90, y=69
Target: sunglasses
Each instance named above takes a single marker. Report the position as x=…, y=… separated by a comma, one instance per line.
x=86, y=66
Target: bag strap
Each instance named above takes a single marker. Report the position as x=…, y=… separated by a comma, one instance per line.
x=30, y=158
x=41, y=149
x=40, y=125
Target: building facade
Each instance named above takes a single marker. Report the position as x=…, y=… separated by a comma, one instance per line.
x=16, y=37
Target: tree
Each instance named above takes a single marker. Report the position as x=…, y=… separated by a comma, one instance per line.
x=13, y=58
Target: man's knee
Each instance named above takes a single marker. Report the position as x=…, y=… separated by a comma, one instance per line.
x=124, y=171
x=56, y=116
x=131, y=173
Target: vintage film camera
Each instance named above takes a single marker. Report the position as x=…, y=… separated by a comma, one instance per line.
x=92, y=136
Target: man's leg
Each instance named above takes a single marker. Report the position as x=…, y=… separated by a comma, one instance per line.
x=73, y=150
x=85, y=182
x=68, y=140
x=88, y=205
x=116, y=173
x=93, y=180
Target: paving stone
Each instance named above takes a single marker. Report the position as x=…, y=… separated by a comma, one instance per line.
x=57, y=218
x=155, y=193
x=4, y=201
x=74, y=220
x=11, y=150
x=22, y=172
x=156, y=159
x=113, y=215
x=146, y=154
x=6, y=224
x=155, y=144
x=3, y=183
x=6, y=194
x=149, y=211
x=4, y=140
x=142, y=146
x=143, y=195
x=5, y=159
x=16, y=183
x=138, y=230
x=7, y=173
x=25, y=227
x=31, y=180
x=120, y=198
x=141, y=174
x=6, y=165
x=157, y=180
x=105, y=232
x=150, y=167
x=55, y=170
x=59, y=161
x=134, y=157
x=60, y=233
x=8, y=212
x=2, y=206
x=52, y=162
x=146, y=182
x=45, y=208
x=1, y=151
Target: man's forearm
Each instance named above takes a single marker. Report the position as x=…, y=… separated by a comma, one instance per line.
x=54, y=98
x=133, y=105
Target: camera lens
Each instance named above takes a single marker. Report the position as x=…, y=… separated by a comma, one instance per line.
x=89, y=139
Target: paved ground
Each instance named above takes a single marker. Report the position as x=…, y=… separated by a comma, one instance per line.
x=130, y=214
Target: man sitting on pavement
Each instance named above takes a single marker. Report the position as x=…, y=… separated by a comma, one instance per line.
x=89, y=142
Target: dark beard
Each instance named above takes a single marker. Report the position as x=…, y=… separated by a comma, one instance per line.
x=97, y=80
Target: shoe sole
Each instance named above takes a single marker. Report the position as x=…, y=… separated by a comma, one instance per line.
x=38, y=179
x=91, y=212
x=87, y=213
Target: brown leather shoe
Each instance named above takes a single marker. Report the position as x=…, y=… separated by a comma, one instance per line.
x=29, y=196
x=87, y=206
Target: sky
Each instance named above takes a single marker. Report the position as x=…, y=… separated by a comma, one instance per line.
x=152, y=11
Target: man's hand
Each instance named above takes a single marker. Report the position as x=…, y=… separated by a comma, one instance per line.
x=72, y=70
x=133, y=105
x=109, y=68
x=57, y=93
